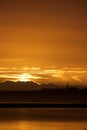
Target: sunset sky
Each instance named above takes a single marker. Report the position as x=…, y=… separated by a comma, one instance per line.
x=43, y=40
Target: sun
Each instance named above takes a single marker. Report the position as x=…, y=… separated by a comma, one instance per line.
x=25, y=77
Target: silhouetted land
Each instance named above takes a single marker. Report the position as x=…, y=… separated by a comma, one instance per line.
x=29, y=92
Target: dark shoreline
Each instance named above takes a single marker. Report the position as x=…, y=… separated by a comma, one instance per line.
x=41, y=105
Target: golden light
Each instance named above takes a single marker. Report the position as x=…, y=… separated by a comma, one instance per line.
x=25, y=77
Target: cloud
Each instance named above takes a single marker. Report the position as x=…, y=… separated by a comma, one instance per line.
x=76, y=78
x=47, y=74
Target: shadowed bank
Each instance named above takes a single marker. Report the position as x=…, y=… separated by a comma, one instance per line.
x=32, y=93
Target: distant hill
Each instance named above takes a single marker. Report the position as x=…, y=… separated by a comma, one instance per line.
x=18, y=86
x=24, y=86
x=30, y=86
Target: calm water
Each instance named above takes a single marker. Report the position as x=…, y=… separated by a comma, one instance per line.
x=43, y=119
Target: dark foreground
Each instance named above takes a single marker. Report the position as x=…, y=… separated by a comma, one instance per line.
x=30, y=93
x=66, y=97
x=41, y=105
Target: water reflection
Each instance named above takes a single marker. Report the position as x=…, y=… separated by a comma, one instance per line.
x=43, y=119
x=42, y=125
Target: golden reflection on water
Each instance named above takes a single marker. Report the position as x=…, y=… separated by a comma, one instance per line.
x=43, y=119
x=42, y=125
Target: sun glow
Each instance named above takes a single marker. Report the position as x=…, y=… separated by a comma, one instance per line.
x=25, y=77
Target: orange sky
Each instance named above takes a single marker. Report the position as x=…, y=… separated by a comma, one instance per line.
x=45, y=34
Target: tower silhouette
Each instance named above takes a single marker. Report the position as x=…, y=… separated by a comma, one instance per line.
x=67, y=85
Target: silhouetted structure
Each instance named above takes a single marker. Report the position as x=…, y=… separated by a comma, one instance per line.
x=67, y=86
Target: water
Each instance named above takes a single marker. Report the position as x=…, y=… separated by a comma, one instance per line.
x=43, y=119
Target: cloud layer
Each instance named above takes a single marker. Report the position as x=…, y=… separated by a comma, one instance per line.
x=44, y=75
